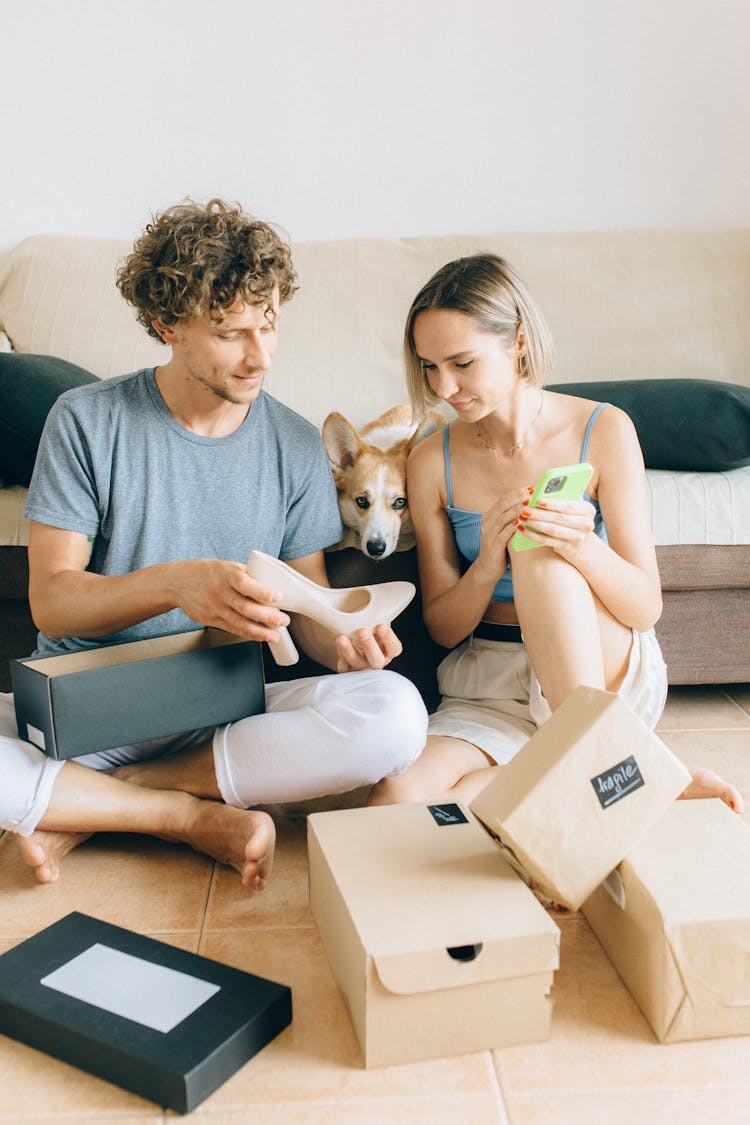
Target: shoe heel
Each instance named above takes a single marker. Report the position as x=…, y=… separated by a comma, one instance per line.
x=283, y=651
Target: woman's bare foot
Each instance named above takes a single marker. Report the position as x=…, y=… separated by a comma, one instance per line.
x=43, y=851
x=241, y=838
x=706, y=783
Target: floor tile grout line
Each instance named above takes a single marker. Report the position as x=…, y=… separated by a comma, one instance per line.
x=495, y=1077
x=449, y=1100
x=637, y=1091
x=736, y=702
x=661, y=731
x=206, y=901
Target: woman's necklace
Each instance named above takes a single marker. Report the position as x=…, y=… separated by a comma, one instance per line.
x=521, y=441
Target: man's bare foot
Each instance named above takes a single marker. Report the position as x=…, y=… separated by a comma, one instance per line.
x=43, y=851
x=241, y=838
x=706, y=783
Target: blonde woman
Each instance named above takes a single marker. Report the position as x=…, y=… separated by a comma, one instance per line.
x=524, y=627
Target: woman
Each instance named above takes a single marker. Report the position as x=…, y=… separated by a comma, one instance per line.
x=525, y=627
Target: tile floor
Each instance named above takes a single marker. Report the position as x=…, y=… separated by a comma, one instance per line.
x=601, y=1064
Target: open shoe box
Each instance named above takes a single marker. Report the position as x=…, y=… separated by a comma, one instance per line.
x=674, y=919
x=116, y=695
x=579, y=794
x=436, y=944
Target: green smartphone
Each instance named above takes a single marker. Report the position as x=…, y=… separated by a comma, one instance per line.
x=567, y=482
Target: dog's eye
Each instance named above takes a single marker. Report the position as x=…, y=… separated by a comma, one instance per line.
x=362, y=502
x=399, y=502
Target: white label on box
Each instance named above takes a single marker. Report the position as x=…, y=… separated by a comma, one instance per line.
x=615, y=888
x=33, y=734
x=128, y=986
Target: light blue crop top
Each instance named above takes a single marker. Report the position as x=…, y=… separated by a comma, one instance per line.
x=467, y=525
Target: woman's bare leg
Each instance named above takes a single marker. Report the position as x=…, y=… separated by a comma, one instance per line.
x=571, y=639
x=448, y=769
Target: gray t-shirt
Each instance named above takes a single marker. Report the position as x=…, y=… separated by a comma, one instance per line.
x=114, y=464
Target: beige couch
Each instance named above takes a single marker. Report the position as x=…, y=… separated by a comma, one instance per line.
x=621, y=305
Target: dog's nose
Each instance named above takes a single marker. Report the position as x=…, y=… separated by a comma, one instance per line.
x=376, y=547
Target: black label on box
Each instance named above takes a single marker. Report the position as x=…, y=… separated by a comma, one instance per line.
x=447, y=814
x=618, y=782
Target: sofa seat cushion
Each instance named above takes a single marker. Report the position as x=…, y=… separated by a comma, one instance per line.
x=687, y=508
x=707, y=508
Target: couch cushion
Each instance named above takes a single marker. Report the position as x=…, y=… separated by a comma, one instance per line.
x=682, y=424
x=621, y=305
x=29, y=385
x=58, y=297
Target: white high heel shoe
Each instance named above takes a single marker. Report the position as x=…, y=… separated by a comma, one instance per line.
x=339, y=611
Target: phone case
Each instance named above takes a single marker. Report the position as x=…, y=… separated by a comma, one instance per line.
x=566, y=482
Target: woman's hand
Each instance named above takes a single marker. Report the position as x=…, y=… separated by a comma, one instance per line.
x=562, y=525
x=499, y=523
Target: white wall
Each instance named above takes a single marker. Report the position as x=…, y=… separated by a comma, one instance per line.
x=342, y=118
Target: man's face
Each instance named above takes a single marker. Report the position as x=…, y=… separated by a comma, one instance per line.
x=228, y=357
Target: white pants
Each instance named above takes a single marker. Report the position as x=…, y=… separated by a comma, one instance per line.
x=491, y=697
x=318, y=736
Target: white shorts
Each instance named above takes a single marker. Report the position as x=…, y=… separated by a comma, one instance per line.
x=491, y=697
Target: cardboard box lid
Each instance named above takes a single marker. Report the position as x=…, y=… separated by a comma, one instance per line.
x=579, y=793
x=421, y=880
x=211, y=1033
x=710, y=842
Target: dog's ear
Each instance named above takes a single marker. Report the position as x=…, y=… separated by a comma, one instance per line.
x=427, y=426
x=342, y=442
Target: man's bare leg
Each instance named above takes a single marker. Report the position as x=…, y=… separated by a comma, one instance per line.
x=189, y=771
x=85, y=801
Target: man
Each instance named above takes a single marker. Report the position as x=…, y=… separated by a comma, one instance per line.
x=148, y=495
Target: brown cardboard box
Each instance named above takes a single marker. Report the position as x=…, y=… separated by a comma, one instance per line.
x=579, y=794
x=437, y=946
x=674, y=919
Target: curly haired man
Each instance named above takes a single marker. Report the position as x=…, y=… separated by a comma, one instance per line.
x=149, y=492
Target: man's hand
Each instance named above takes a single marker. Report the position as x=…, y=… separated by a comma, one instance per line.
x=373, y=649
x=223, y=595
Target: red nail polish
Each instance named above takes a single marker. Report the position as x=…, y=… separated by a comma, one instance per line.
x=525, y=514
x=542, y=503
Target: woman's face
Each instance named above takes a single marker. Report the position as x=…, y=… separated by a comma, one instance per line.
x=471, y=369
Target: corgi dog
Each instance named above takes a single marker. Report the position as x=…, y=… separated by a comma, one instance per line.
x=369, y=470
